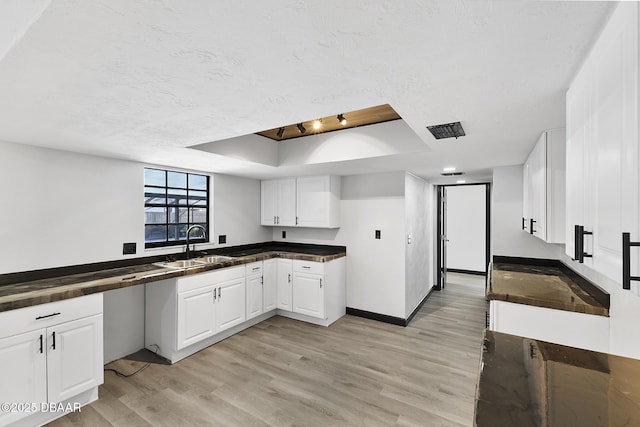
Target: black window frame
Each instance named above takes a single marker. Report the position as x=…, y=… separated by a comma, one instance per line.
x=164, y=191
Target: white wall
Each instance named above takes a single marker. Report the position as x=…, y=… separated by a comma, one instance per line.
x=466, y=227
x=418, y=220
x=375, y=268
x=507, y=236
x=62, y=209
x=236, y=211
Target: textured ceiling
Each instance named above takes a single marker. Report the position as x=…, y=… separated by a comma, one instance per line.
x=144, y=79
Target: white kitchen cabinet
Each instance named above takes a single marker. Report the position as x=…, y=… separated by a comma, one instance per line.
x=255, y=291
x=303, y=202
x=270, y=284
x=184, y=315
x=230, y=305
x=318, y=291
x=544, y=188
x=284, y=282
x=318, y=201
x=51, y=353
x=603, y=154
x=308, y=294
x=24, y=371
x=74, y=359
x=278, y=202
x=578, y=191
x=526, y=195
x=196, y=315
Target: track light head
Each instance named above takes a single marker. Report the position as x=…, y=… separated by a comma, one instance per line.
x=301, y=128
x=341, y=119
x=280, y=132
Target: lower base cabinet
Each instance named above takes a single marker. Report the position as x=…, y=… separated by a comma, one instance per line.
x=318, y=291
x=56, y=357
x=183, y=312
x=308, y=294
x=185, y=315
x=284, y=279
x=580, y=330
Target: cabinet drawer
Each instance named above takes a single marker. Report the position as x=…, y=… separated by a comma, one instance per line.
x=308, y=267
x=253, y=268
x=200, y=280
x=26, y=319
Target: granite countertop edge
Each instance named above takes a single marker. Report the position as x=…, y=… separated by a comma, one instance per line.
x=44, y=291
x=582, y=307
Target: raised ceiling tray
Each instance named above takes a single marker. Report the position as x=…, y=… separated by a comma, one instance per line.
x=364, y=117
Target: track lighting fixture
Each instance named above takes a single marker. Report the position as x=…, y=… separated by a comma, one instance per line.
x=341, y=119
x=301, y=128
x=280, y=132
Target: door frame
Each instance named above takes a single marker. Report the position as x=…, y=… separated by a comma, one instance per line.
x=441, y=244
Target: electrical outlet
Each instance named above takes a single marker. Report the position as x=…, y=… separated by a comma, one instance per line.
x=284, y=234
x=128, y=248
x=377, y=234
x=222, y=238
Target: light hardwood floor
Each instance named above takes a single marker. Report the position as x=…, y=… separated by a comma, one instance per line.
x=282, y=372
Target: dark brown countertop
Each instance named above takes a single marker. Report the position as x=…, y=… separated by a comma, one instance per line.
x=48, y=289
x=525, y=382
x=545, y=286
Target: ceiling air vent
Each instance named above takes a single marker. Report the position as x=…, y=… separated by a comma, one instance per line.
x=449, y=130
x=452, y=173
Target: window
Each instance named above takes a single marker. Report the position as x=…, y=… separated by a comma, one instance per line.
x=174, y=201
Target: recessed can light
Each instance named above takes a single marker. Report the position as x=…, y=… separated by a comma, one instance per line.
x=317, y=124
x=461, y=181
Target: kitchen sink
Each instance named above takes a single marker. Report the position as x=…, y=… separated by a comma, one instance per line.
x=213, y=258
x=181, y=264
x=197, y=262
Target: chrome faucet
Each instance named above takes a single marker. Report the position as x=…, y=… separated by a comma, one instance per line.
x=204, y=235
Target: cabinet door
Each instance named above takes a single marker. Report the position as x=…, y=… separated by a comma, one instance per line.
x=286, y=210
x=254, y=295
x=308, y=294
x=268, y=202
x=23, y=368
x=313, y=193
x=284, y=284
x=74, y=357
x=269, y=284
x=615, y=122
x=196, y=316
x=577, y=162
x=538, y=188
x=526, y=194
x=230, y=305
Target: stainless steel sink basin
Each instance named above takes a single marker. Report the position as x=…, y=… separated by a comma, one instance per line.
x=213, y=258
x=181, y=264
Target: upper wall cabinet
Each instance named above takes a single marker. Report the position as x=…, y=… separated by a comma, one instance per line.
x=279, y=202
x=311, y=201
x=602, y=149
x=544, y=188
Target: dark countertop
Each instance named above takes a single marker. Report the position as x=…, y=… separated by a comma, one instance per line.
x=525, y=382
x=18, y=290
x=545, y=286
